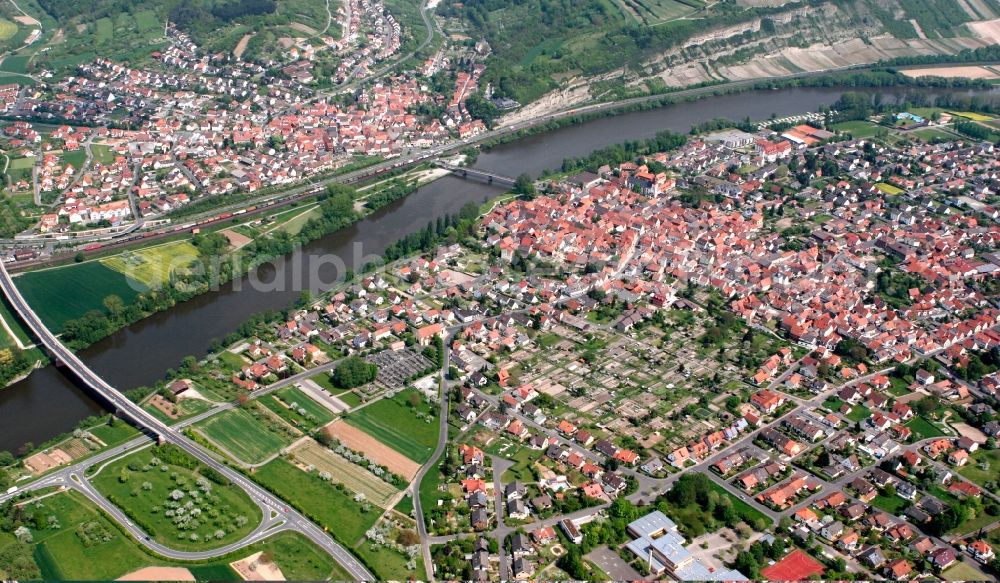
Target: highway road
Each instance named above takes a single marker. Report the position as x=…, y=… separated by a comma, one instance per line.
x=272, y=508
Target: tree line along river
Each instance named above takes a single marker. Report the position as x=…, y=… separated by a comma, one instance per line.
x=49, y=402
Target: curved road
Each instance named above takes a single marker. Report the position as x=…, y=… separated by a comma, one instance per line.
x=271, y=507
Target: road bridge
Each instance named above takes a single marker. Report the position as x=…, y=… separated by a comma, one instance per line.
x=273, y=509
x=476, y=174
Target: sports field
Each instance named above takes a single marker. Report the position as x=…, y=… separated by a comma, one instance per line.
x=239, y=433
x=857, y=128
x=352, y=476
x=65, y=293
x=153, y=265
x=394, y=423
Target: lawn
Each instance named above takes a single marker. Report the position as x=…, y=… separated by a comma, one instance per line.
x=102, y=154
x=76, y=158
x=393, y=423
x=858, y=128
x=120, y=432
x=388, y=564
x=153, y=265
x=65, y=293
x=930, y=134
x=350, y=398
x=148, y=484
x=859, y=413
x=64, y=555
x=922, y=429
x=22, y=163
x=333, y=509
x=297, y=408
x=961, y=571
x=888, y=188
x=242, y=435
x=974, y=473
x=892, y=504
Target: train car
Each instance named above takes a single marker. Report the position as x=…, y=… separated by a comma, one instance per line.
x=92, y=247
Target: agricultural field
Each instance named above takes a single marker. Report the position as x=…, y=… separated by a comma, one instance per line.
x=355, y=478
x=146, y=492
x=243, y=436
x=297, y=408
x=393, y=422
x=653, y=11
x=970, y=115
x=153, y=265
x=15, y=64
x=322, y=501
x=64, y=293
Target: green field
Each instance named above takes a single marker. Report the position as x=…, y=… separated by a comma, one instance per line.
x=153, y=265
x=331, y=508
x=892, y=504
x=888, y=188
x=392, y=422
x=858, y=128
x=76, y=158
x=65, y=293
x=15, y=64
x=102, y=154
x=62, y=554
x=243, y=436
x=147, y=21
x=7, y=29
x=931, y=134
x=294, y=400
x=922, y=429
x=21, y=163
x=145, y=492
x=962, y=571
x=973, y=472
x=105, y=30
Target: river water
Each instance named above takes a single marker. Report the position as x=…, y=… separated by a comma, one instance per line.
x=48, y=402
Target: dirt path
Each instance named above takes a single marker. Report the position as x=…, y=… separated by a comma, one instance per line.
x=241, y=47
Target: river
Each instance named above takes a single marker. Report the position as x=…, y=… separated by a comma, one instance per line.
x=48, y=402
